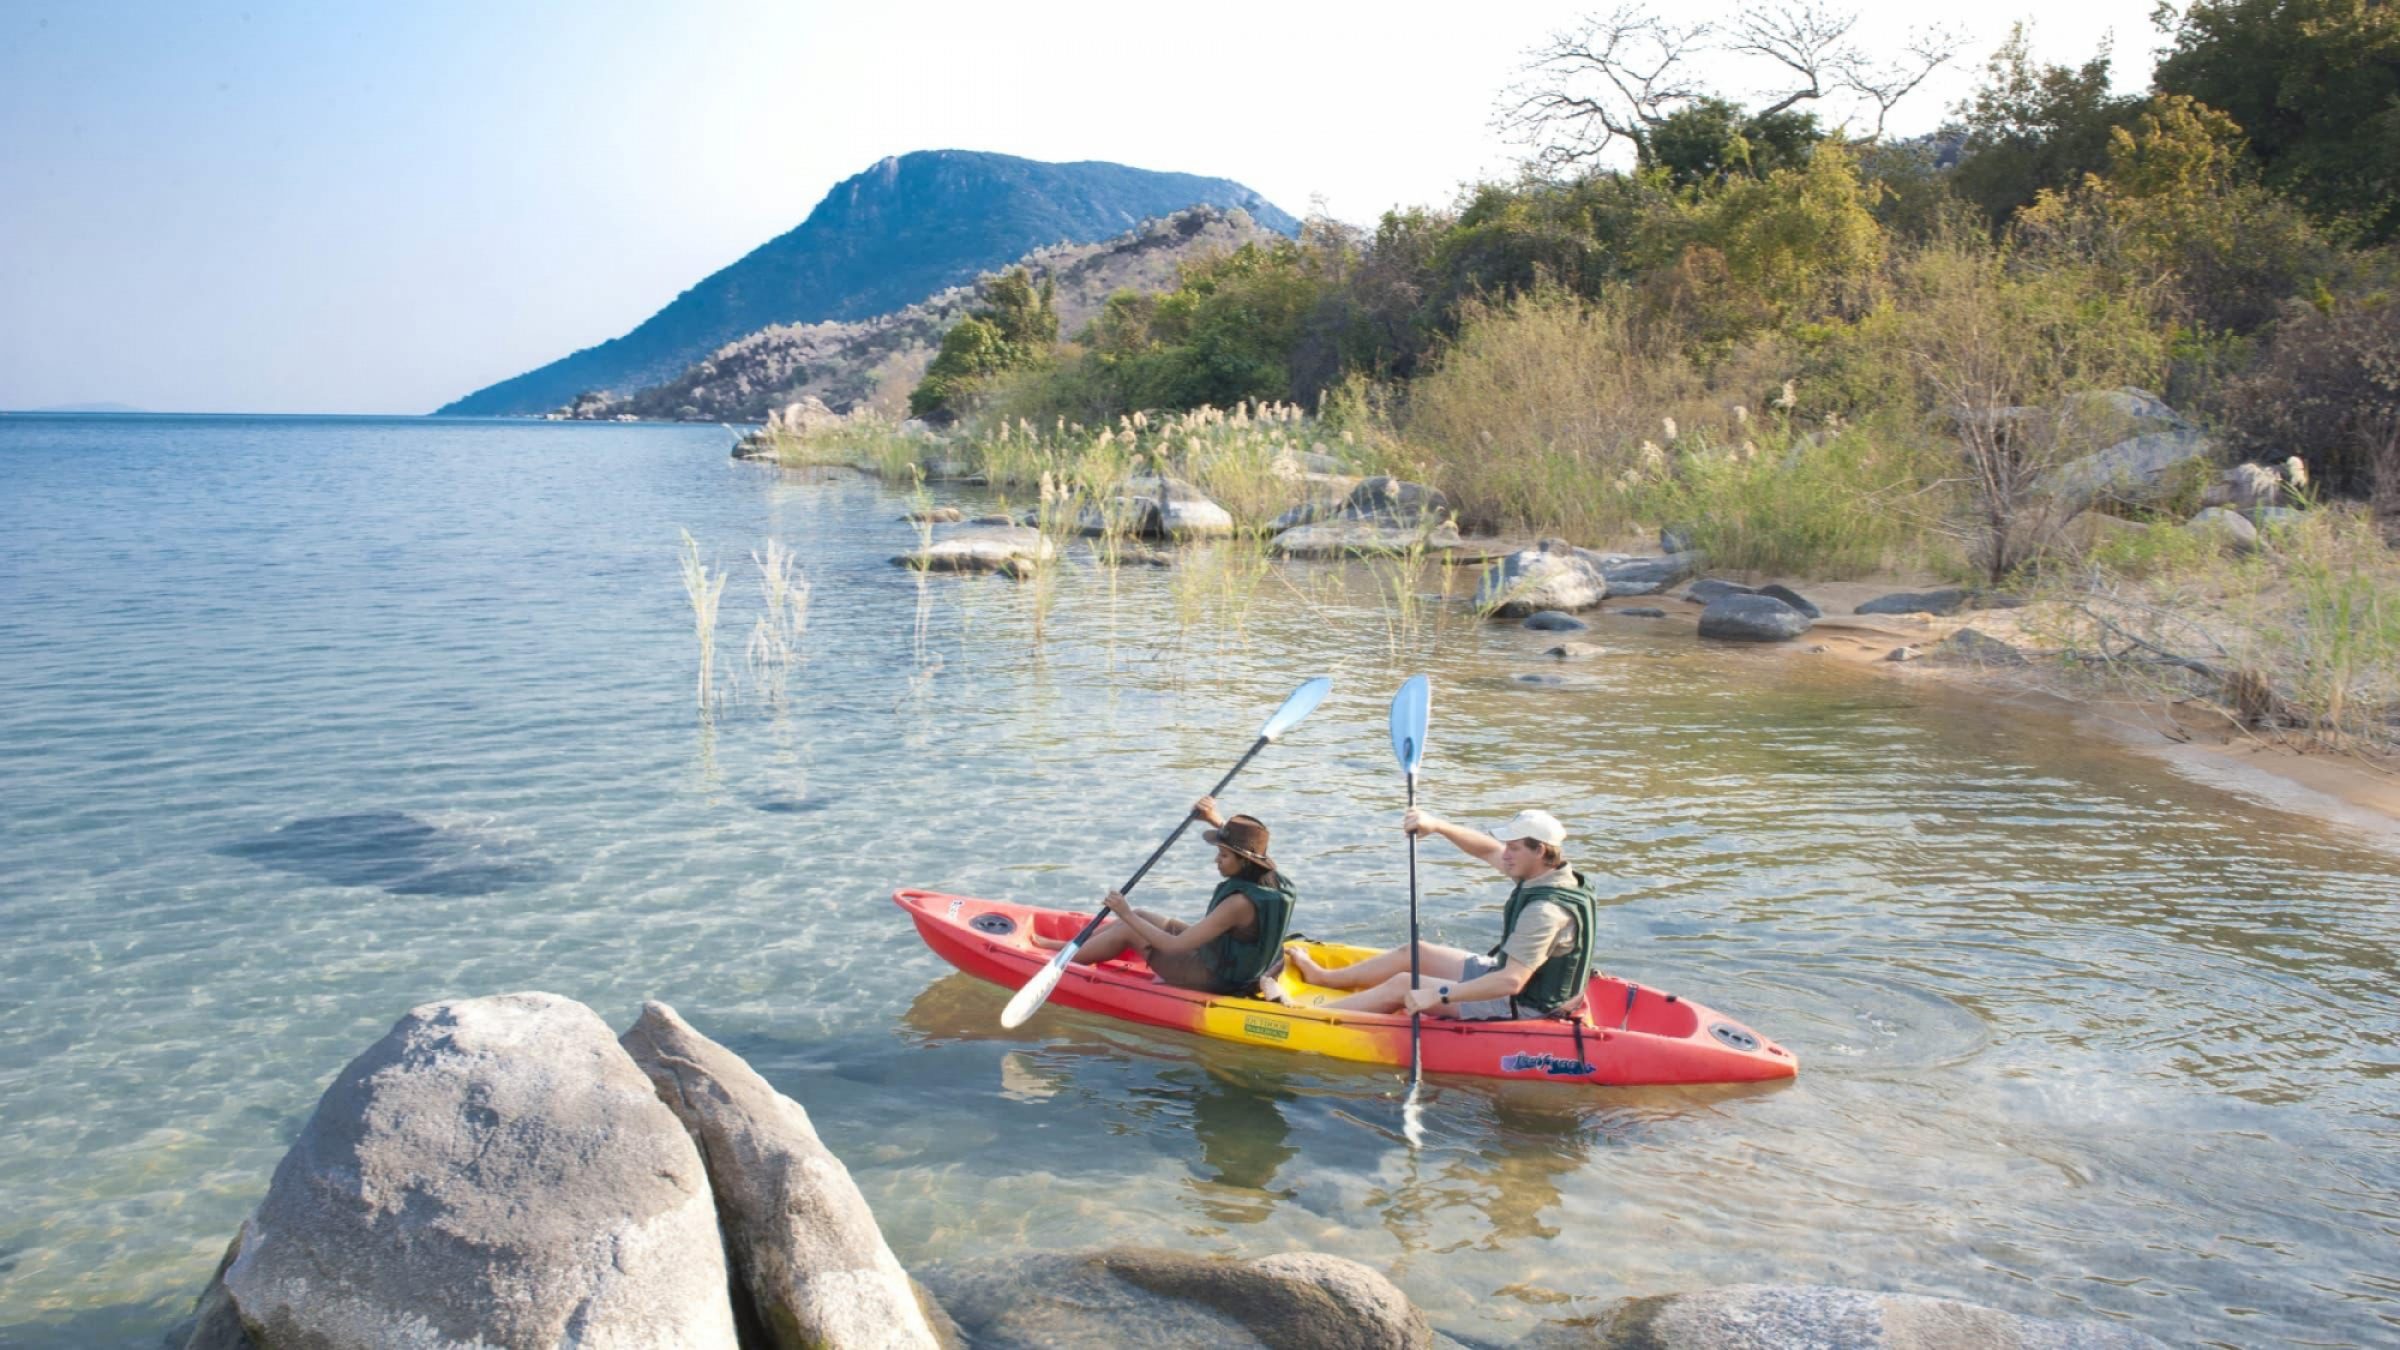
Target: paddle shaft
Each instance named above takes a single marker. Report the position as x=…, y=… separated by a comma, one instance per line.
x=1152, y=860
x=1416, y=1020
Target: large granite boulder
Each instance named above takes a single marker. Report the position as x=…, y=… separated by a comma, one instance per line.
x=1707, y=590
x=1635, y=574
x=1972, y=647
x=1751, y=618
x=1161, y=1300
x=1793, y=598
x=804, y=1246
x=1948, y=600
x=1159, y=508
x=1549, y=576
x=2226, y=528
x=2140, y=471
x=982, y=548
x=1396, y=501
x=1345, y=537
x=2112, y=415
x=494, y=1172
x=1774, y=1317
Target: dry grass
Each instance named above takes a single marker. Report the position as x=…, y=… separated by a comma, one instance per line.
x=2300, y=639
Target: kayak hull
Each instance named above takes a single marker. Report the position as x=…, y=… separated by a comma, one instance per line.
x=1653, y=1038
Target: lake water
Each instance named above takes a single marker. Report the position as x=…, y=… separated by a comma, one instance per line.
x=306, y=721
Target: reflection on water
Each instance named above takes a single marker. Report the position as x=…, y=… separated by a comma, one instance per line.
x=2081, y=1039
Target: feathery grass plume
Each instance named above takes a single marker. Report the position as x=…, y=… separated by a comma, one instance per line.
x=775, y=639
x=705, y=589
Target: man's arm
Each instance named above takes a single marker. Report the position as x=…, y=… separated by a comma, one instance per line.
x=1473, y=843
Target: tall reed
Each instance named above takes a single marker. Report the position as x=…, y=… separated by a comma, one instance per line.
x=775, y=639
x=705, y=589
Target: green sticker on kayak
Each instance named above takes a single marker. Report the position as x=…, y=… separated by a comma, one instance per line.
x=1271, y=1028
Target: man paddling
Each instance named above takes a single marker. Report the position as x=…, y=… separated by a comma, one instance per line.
x=1542, y=962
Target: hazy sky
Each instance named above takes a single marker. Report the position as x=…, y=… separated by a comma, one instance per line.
x=355, y=207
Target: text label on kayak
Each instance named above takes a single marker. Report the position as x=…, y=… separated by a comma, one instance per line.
x=1549, y=1064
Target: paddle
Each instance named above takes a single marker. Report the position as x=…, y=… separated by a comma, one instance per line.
x=1028, y=1000
x=1411, y=708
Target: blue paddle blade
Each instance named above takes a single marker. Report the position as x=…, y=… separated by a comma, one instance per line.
x=1411, y=708
x=1304, y=700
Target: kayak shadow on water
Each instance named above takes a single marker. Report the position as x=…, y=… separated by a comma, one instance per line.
x=1268, y=1124
x=394, y=852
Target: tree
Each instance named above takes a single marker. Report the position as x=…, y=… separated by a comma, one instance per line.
x=2031, y=128
x=2316, y=86
x=1625, y=75
x=2181, y=203
x=1708, y=139
x=1014, y=326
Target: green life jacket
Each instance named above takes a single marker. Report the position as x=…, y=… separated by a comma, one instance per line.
x=1238, y=961
x=1558, y=982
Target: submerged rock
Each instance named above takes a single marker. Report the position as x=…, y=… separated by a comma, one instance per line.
x=394, y=852
x=1549, y=577
x=982, y=548
x=1576, y=651
x=1755, y=1316
x=1553, y=621
x=1641, y=612
x=1747, y=617
x=495, y=1171
x=938, y=515
x=1347, y=538
x=804, y=1246
x=1161, y=1300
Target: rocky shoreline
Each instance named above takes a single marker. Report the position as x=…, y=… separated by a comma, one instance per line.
x=503, y=1171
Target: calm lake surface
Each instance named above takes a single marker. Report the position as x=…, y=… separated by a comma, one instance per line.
x=306, y=721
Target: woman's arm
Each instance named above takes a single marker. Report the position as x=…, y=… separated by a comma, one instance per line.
x=1236, y=911
x=1473, y=843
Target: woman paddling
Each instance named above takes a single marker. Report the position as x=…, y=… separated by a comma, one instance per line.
x=1230, y=948
x=1542, y=962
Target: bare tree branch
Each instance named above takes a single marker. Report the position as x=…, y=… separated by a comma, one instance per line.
x=1623, y=73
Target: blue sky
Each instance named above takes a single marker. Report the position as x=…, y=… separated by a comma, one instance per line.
x=360, y=207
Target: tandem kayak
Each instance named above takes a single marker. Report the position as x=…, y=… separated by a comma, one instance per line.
x=1629, y=1035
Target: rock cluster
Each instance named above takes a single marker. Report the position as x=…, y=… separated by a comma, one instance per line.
x=1380, y=517
x=505, y=1172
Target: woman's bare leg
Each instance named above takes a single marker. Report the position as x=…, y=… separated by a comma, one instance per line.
x=1112, y=939
x=1438, y=962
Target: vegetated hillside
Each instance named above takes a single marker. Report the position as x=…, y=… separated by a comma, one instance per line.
x=901, y=231
x=876, y=362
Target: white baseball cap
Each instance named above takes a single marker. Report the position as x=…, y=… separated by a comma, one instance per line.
x=1539, y=826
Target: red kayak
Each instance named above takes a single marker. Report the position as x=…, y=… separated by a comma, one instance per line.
x=1628, y=1035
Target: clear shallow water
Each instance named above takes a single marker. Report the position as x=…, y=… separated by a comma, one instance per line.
x=303, y=722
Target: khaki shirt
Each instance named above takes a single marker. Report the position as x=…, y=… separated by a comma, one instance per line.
x=1545, y=929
